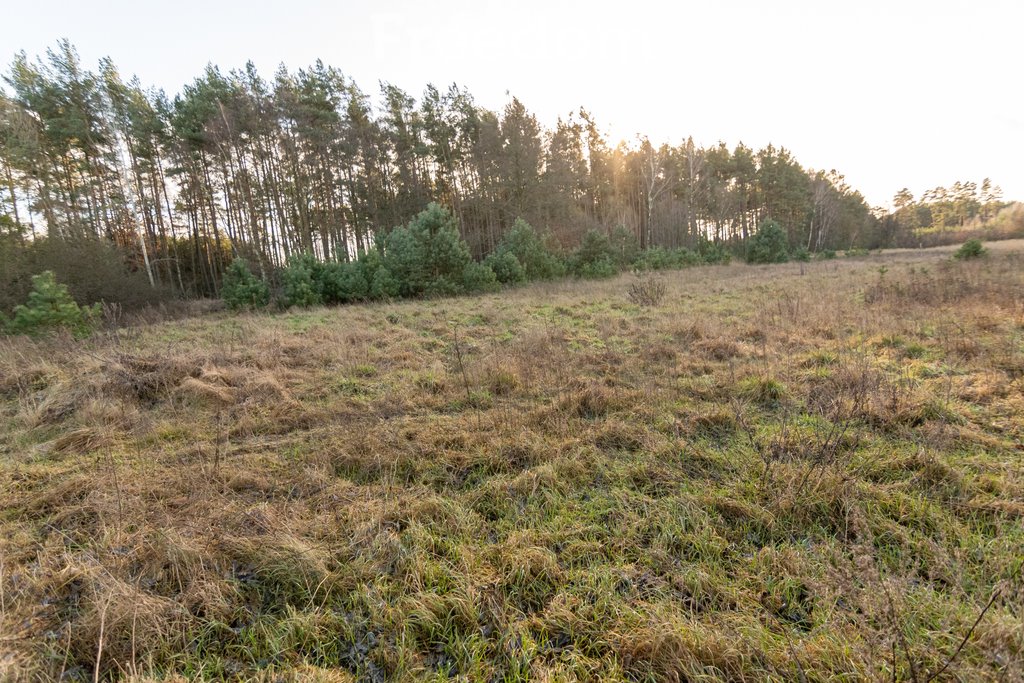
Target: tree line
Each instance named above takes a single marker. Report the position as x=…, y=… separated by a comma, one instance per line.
x=306, y=162
x=943, y=208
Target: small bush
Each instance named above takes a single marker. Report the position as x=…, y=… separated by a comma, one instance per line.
x=972, y=248
x=326, y=275
x=383, y=285
x=443, y=285
x=713, y=253
x=659, y=258
x=427, y=256
x=826, y=255
x=531, y=250
x=624, y=247
x=655, y=258
x=506, y=267
x=647, y=291
x=301, y=284
x=595, y=270
x=478, y=277
x=594, y=258
x=243, y=290
x=343, y=283
x=380, y=282
x=50, y=308
x=801, y=254
x=768, y=245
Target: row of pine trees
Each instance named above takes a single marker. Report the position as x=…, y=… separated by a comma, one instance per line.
x=306, y=162
x=429, y=257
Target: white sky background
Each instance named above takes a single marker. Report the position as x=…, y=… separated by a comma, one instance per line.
x=891, y=94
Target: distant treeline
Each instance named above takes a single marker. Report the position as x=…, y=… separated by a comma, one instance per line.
x=174, y=188
x=944, y=209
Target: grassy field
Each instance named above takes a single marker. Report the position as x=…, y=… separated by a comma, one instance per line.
x=768, y=475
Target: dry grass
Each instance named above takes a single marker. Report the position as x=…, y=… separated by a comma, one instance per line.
x=761, y=476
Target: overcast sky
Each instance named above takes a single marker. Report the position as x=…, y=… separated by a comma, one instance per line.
x=892, y=94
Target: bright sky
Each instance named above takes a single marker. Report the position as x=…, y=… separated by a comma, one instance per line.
x=892, y=94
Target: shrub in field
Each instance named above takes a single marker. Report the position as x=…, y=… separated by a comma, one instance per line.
x=712, y=253
x=647, y=291
x=50, y=308
x=531, y=249
x=351, y=283
x=594, y=257
x=302, y=281
x=343, y=283
x=478, y=277
x=659, y=258
x=597, y=269
x=972, y=248
x=768, y=245
x=624, y=247
x=506, y=267
x=428, y=256
x=801, y=254
x=379, y=280
x=383, y=285
x=241, y=289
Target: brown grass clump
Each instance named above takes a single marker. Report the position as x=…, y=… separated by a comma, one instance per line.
x=202, y=390
x=57, y=403
x=80, y=441
x=502, y=381
x=530, y=574
x=148, y=379
x=620, y=435
x=716, y=423
x=718, y=349
x=589, y=401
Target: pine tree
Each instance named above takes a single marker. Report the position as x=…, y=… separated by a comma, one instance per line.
x=302, y=287
x=769, y=245
x=243, y=290
x=530, y=249
x=50, y=307
x=428, y=255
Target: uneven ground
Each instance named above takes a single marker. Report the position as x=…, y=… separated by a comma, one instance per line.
x=768, y=475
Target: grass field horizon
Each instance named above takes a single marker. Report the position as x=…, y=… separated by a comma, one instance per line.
x=787, y=472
